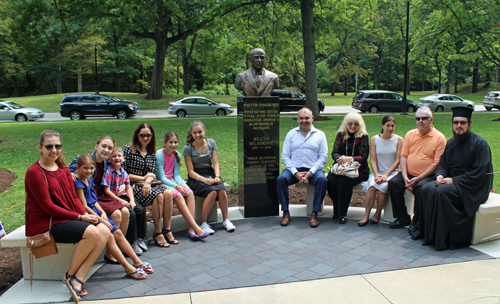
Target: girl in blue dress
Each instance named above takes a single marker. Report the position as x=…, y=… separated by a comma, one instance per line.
x=117, y=243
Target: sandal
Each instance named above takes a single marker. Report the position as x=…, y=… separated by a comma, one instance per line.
x=164, y=244
x=146, y=267
x=75, y=293
x=138, y=274
x=165, y=232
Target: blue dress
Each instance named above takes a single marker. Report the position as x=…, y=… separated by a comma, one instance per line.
x=91, y=198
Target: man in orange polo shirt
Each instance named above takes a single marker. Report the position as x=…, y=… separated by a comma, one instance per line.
x=422, y=149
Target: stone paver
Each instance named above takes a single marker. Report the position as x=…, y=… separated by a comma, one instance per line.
x=261, y=252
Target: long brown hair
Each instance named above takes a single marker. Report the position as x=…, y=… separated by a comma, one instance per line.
x=49, y=133
x=136, y=145
x=166, y=138
x=189, y=136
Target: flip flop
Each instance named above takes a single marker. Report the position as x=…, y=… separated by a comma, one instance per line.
x=146, y=267
x=138, y=274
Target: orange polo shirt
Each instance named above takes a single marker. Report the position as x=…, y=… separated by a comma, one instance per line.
x=422, y=151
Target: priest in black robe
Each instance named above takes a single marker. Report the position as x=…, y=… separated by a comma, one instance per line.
x=463, y=182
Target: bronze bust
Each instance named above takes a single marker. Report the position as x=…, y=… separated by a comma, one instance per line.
x=257, y=81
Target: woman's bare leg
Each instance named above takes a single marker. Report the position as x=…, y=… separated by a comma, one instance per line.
x=114, y=249
x=125, y=220
x=370, y=199
x=223, y=204
x=207, y=205
x=186, y=213
x=167, y=209
x=125, y=247
x=157, y=215
x=382, y=198
x=87, y=251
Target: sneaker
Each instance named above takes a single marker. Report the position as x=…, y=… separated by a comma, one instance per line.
x=137, y=249
x=228, y=225
x=206, y=227
x=142, y=243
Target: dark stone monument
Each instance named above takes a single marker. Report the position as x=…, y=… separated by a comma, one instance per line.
x=258, y=154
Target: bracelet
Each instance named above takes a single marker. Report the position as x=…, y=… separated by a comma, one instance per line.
x=80, y=217
x=198, y=177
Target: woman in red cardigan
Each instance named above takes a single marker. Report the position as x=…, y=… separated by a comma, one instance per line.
x=70, y=221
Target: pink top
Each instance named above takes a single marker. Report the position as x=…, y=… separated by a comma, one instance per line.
x=169, y=165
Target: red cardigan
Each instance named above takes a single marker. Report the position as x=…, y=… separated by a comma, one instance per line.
x=62, y=203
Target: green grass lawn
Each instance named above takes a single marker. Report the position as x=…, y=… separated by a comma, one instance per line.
x=50, y=103
x=18, y=143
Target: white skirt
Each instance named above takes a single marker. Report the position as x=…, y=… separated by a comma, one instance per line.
x=380, y=187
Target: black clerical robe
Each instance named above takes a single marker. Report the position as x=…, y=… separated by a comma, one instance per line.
x=448, y=210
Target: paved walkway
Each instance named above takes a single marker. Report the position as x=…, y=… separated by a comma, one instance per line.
x=262, y=262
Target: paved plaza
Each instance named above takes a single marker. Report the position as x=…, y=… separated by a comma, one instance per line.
x=261, y=252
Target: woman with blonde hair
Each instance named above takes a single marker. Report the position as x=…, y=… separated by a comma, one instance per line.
x=351, y=144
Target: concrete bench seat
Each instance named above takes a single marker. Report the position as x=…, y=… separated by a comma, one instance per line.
x=387, y=214
x=487, y=221
x=51, y=267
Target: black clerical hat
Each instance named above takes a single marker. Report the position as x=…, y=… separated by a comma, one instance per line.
x=462, y=112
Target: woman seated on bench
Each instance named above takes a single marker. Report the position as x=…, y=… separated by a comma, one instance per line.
x=50, y=195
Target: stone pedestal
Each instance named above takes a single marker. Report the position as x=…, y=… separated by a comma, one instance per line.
x=258, y=153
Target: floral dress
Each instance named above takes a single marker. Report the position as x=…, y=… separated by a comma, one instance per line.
x=138, y=165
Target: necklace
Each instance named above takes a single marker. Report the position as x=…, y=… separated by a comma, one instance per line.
x=385, y=142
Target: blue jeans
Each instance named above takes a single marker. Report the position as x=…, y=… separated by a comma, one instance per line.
x=286, y=179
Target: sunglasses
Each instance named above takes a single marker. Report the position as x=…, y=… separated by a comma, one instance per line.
x=145, y=135
x=460, y=122
x=50, y=147
x=353, y=124
x=421, y=118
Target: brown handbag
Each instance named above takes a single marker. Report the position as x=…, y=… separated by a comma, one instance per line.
x=42, y=244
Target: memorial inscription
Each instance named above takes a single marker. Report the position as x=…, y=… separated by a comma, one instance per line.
x=260, y=154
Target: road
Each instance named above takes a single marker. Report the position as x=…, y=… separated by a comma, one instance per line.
x=160, y=113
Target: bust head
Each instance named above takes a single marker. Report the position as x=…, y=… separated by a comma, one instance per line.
x=257, y=58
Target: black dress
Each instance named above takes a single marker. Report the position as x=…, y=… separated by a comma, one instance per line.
x=340, y=187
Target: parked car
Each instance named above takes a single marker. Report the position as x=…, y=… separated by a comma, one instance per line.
x=374, y=101
x=11, y=110
x=196, y=105
x=79, y=106
x=444, y=102
x=293, y=101
x=492, y=100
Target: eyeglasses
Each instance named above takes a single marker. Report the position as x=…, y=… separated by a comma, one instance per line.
x=460, y=122
x=353, y=124
x=50, y=147
x=421, y=118
x=145, y=135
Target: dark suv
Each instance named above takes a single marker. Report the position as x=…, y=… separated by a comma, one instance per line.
x=375, y=101
x=293, y=101
x=79, y=106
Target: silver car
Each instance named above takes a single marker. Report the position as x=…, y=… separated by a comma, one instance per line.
x=11, y=110
x=196, y=105
x=492, y=100
x=444, y=102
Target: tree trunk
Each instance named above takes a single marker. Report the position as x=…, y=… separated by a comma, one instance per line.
x=14, y=84
x=306, y=10
x=80, y=88
x=375, y=77
x=333, y=87
x=423, y=84
x=475, y=77
x=178, y=73
x=58, y=66
x=496, y=73
x=456, y=86
x=155, y=92
x=439, y=80
x=388, y=78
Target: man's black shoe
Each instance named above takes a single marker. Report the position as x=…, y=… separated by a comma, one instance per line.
x=401, y=222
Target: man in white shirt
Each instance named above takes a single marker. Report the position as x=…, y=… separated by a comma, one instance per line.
x=304, y=155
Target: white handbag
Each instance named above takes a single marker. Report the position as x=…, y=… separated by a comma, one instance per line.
x=349, y=169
